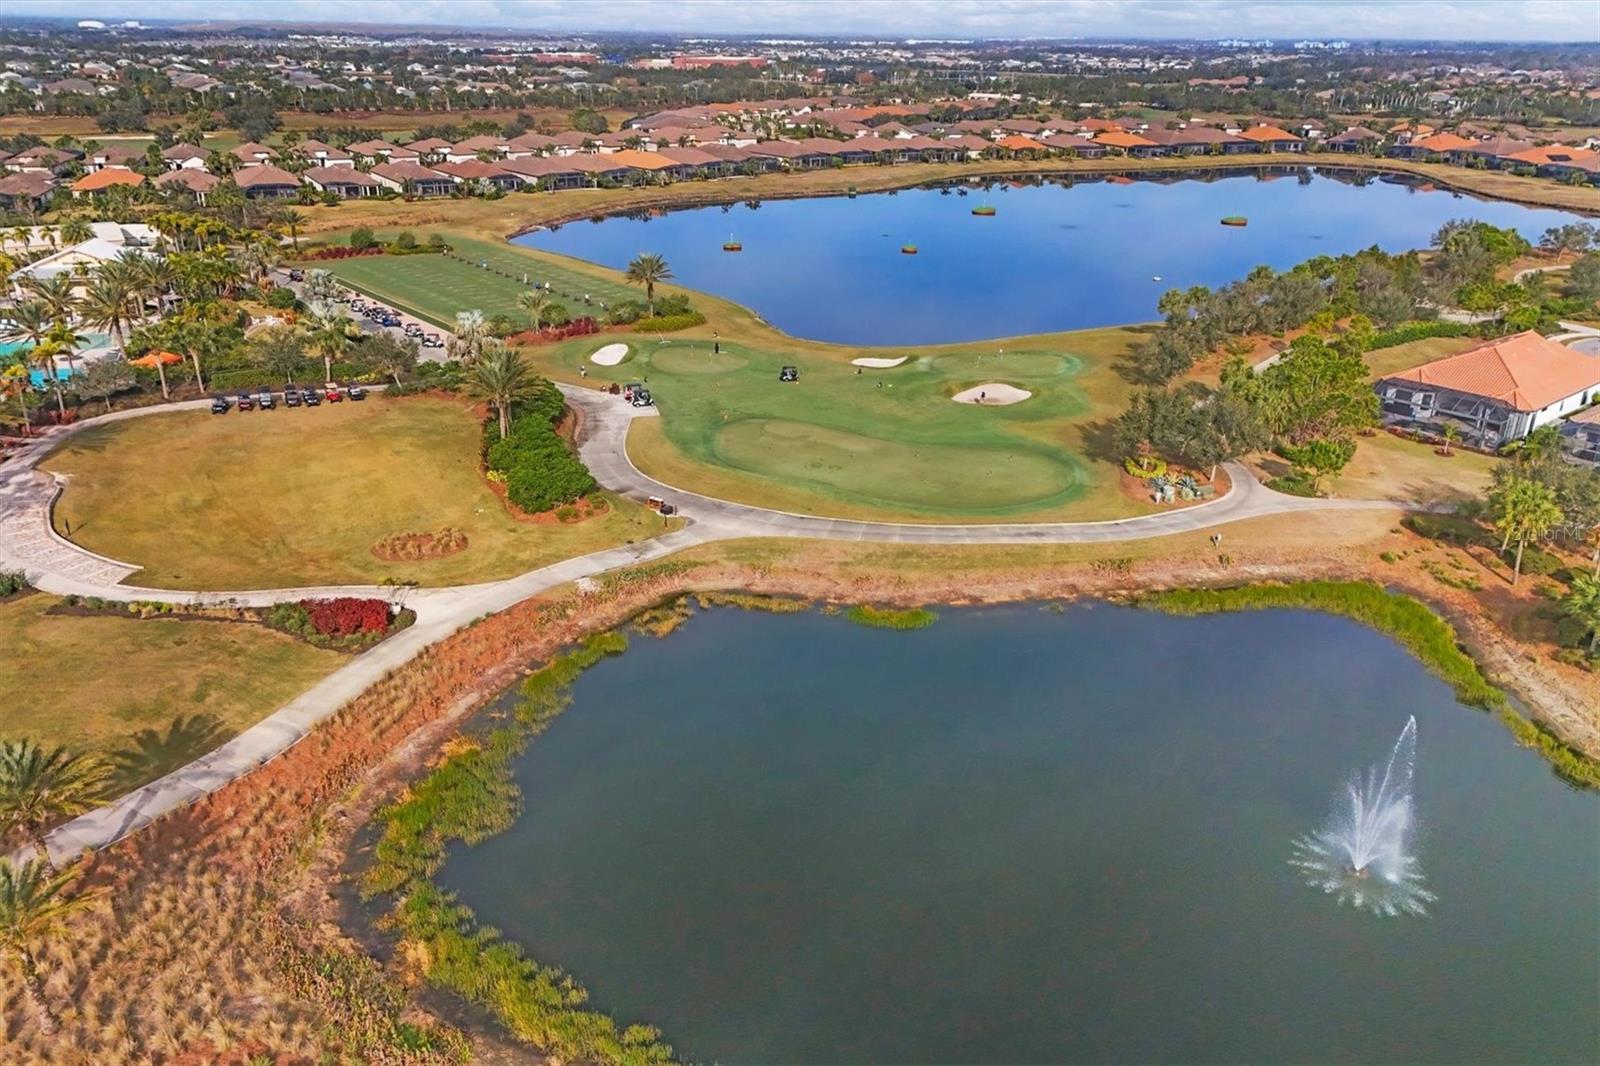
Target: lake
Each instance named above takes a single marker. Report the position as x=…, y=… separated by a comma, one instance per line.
x=1052, y=258
x=1037, y=835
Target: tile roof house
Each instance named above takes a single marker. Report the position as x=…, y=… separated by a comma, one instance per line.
x=472, y=147
x=1272, y=139
x=430, y=148
x=343, y=180
x=99, y=181
x=115, y=155
x=1125, y=143
x=1198, y=140
x=1557, y=161
x=251, y=154
x=404, y=175
x=473, y=171
x=378, y=151
x=1497, y=392
x=319, y=153
x=188, y=156
x=549, y=173
x=1355, y=139
x=1434, y=144
x=1493, y=149
x=263, y=181
x=27, y=191
x=1015, y=144
x=199, y=183
x=42, y=160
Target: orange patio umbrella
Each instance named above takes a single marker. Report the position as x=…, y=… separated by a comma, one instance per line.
x=158, y=361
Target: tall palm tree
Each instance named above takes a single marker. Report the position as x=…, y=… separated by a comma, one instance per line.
x=56, y=293
x=105, y=306
x=500, y=379
x=534, y=302
x=649, y=270
x=1582, y=605
x=1524, y=510
x=39, y=786
x=28, y=322
x=472, y=332
x=34, y=906
x=291, y=220
x=327, y=334
x=155, y=278
x=75, y=230
x=14, y=383
x=320, y=286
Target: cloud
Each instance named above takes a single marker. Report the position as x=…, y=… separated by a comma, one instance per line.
x=1482, y=20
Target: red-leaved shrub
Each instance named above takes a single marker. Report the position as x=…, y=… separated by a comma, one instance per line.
x=346, y=615
x=578, y=327
x=343, y=252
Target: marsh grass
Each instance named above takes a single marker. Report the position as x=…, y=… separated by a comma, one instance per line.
x=891, y=618
x=1429, y=638
x=468, y=796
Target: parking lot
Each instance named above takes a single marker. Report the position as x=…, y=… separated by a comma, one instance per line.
x=374, y=316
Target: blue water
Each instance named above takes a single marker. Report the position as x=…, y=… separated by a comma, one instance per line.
x=1052, y=258
x=1022, y=836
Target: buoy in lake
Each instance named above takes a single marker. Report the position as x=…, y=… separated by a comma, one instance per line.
x=908, y=249
x=1155, y=277
x=1235, y=220
x=984, y=210
x=731, y=245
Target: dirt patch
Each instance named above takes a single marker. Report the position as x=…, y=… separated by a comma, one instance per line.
x=413, y=547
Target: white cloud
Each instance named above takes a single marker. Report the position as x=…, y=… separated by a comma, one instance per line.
x=1484, y=20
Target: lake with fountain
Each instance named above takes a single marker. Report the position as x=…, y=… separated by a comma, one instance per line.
x=1095, y=252
x=1076, y=834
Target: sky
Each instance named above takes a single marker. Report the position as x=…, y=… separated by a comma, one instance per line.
x=1477, y=20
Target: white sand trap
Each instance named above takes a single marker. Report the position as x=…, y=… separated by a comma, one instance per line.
x=878, y=363
x=610, y=355
x=992, y=394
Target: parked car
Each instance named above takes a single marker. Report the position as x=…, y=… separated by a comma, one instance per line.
x=641, y=398
x=291, y=396
x=265, y=400
x=333, y=395
x=433, y=340
x=356, y=392
x=311, y=397
x=245, y=402
x=219, y=405
x=390, y=320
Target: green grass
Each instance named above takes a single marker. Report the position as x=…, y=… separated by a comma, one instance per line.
x=890, y=618
x=149, y=694
x=300, y=497
x=1421, y=632
x=438, y=287
x=835, y=442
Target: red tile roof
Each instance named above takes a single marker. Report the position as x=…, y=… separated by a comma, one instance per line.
x=1524, y=371
x=104, y=179
x=1267, y=134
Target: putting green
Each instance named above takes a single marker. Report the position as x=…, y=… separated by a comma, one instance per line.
x=681, y=359
x=1007, y=365
x=895, y=473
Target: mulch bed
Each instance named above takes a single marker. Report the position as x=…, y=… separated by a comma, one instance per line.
x=415, y=547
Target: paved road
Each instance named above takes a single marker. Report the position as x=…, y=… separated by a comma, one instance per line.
x=51, y=563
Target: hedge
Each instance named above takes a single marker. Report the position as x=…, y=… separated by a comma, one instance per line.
x=1407, y=332
x=538, y=471
x=669, y=323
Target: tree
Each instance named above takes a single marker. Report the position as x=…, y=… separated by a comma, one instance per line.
x=1226, y=427
x=1583, y=279
x=39, y=786
x=104, y=378
x=14, y=384
x=57, y=293
x=291, y=221
x=320, y=287
x=280, y=352
x=534, y=302
x=75, y=230
x=197, y=339
x=472, y=331
x=501, y=378
x=361, y=238
x=1523, y=510
x=105, y=306
x=327, y=334
x=1451, y=433
x=34, y=906
x=1320, y=458
x=649, y=270
x=1582, y=605
x=1317, y=390
x=391, y=356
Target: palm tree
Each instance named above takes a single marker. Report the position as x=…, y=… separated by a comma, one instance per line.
x=292, y=220
x=39, y=786
x=327, y=334
x=534, y=302
x=1582, y=605
x=75, y=230
x=34, y=906
x=56, y=293
x=1451, y=434
x=472, y=332
x=28, y=322
x=648, y=269
x=1525, y=510
x=320, y=286
x=105, y=306
x=14, y=382
x=197, y=338
x=155, y=277
x=501, y=378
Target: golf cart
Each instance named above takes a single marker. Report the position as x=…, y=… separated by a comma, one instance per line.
x=789, y=373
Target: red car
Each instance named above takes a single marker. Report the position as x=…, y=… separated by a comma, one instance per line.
x=333, y=395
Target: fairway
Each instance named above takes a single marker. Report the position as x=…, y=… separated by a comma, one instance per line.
x=300, y=497
x=147, y=694
x=438, y=286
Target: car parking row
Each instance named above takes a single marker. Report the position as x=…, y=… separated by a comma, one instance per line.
x=293, y=396
x=381, y=315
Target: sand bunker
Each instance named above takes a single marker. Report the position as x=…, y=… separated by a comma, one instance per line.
x=992, y=394
x=610, y=355
x=879, y=363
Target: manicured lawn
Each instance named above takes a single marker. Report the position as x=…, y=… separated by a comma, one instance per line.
x=1384, y=361
x=439, y=286
x=150, y=694
x=835, y=442
x=299, y=497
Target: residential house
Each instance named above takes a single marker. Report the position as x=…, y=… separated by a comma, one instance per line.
x=1121, y=142
x=1272, y=139
x=251, y=154
x=430, y=149
x=1492, y=150
x=657, y=166
x=343, y=180
x=555, y=173
x=972, y=146
x=263, y=181
x=1557, y=161
x=43, y=160
x=1497, y=392
x=321, y=154
x=1198, y=140
x=198, y=183
x=740, y=156
x=1355, y=139
x=115, y=155
x=98, y=182
x=793, y=155
x=527, y=145
x=1431, y=146
x=472, y=148
x=703, y=163
x=571, y=142
x=1580, y=434
x=185, y=156
x=379, y=151
x=26, y=192
x=475, y=172
x=1016, y=146
x=406, y=176
x=598, y=167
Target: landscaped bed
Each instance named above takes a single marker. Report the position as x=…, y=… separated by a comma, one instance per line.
x=311, y=497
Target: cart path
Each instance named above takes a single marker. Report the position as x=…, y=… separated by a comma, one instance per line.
x=53, y=564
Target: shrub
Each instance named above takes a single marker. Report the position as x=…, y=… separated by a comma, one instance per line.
x=1407, y=332
x=1156, y=468
x=405, y=240
x=346, y=616
x=539, y=472
x=11, y=582
x=1536, y=562
x=282, y=299
x=626, y=312
x=361, y=238
x=343, y=253
x=669, y=323
x=1449, y=529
